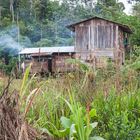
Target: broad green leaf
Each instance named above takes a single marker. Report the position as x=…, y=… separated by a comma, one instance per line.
x=72, y=138
x=93, y=125
x=66, y=123
x=89, y=129
x=45, y=130
x=72, y=129
x=93, y=113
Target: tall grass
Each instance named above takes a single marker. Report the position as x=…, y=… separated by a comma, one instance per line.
x=66, y=107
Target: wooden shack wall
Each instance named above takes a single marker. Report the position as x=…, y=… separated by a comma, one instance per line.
x=99, y=38
x=95, y=37
x=121, y=50
x=60, y=64
x=38, y=67
x=95, y=34
x=82, y=39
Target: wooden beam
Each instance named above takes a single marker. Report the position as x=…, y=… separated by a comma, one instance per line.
x=112, y=38
x=92, y=34
x=97, y=37
x=117, y=38
x=89, y=40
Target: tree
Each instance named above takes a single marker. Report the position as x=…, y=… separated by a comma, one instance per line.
x=136, y=9
x=111, y=9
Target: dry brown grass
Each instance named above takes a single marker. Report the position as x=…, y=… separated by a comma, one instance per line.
x=13, y=125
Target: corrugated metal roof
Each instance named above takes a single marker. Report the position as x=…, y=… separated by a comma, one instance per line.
x=49, y=50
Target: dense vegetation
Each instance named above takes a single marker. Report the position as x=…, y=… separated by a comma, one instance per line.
x=85, y=104
x=82, y=105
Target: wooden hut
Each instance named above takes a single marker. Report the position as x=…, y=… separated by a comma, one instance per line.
x=47, y=59
x=98, y=38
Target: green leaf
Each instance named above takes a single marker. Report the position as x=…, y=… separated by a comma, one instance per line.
x=25, y=79
x=89, y=129
x=93, y=125
x=72, y=138
x=66, y=123
x=96, y=138
x=72, y=130
x=63, y=133
x=69, y=105
x=93, y=113
x=45, y=130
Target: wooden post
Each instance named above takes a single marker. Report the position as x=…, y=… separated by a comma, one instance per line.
x=89, y=30
x=117, y=36
x=75, y=44
x=117, y=46
x=104, y=45
x=39, y=54
x=19, y=61
x=112, y=32
x=89, y=45
x=92, y=35
x=97, y=37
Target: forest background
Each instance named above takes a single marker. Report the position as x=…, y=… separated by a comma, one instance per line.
x=42, y=23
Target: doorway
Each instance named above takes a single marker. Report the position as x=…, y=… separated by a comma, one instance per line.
x=50, y=65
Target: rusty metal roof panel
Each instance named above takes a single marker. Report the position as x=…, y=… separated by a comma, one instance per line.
x=48, y=50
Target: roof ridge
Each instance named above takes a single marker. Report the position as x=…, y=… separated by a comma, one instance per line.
x=71, y=26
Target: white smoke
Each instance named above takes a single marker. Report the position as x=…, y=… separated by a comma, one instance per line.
x=11, y=39
x=7, y=41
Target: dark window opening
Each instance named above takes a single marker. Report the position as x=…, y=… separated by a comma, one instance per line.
x=87, y=47
x=50, y=65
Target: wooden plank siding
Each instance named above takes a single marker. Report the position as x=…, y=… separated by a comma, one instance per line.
x=38, y=67
x=60, y=64
x=99, y=38
x=95, y=35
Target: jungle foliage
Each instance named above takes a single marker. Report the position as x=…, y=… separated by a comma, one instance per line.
x=86, y=104
x=40, y=23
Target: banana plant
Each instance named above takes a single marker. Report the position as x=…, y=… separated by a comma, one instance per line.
x=78, y=125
